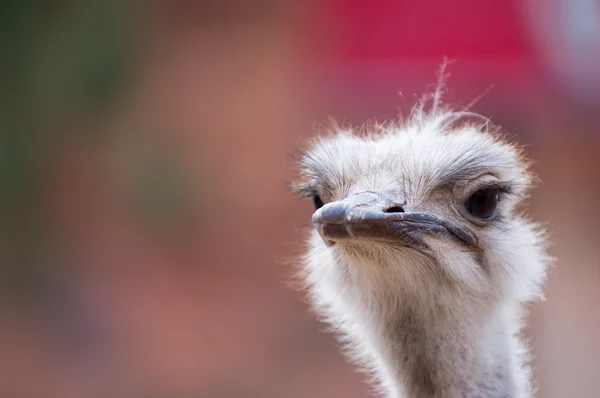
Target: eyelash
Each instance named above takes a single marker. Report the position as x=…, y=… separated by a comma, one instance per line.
x=502, y=188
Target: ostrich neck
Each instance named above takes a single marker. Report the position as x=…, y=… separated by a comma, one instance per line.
x=448, y=353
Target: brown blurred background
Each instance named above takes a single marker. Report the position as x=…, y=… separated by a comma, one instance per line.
x=145, y=147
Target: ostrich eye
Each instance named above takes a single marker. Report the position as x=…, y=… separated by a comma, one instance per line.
x=482, y=204
x=317, y=201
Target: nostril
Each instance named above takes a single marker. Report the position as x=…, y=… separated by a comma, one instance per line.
x=394, y=209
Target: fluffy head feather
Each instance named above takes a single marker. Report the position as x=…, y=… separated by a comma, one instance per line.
x=380, y=296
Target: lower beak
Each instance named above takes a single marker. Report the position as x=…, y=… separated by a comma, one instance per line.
x=364, y=216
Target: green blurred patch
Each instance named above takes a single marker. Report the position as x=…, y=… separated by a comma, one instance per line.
x=159, y=190
x=83, y=58
x=63, y=62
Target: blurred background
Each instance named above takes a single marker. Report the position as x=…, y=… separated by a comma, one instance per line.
x=145, y=147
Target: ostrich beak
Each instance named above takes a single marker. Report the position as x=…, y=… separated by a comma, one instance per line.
x=368, y=215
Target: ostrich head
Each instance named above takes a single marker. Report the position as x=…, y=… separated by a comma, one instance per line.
x=419, y=257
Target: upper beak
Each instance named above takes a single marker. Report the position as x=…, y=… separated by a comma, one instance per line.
x=367, y=215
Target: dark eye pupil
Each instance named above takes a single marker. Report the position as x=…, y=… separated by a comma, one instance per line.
x=482, y=204
x=317, y=201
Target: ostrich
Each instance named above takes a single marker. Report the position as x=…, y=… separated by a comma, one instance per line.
x=419, y=258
